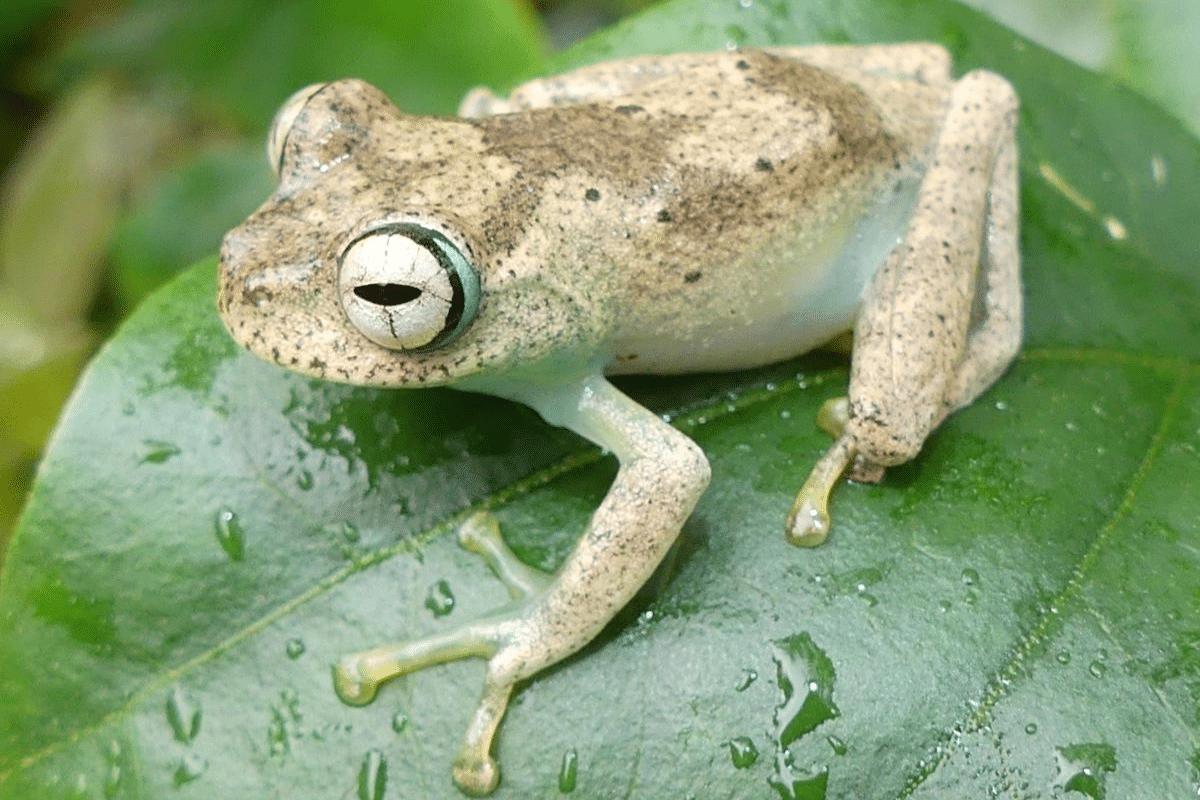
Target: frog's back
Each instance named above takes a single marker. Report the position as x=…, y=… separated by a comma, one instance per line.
x=717, y=207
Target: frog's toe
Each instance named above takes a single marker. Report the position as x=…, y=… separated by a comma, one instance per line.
x=808, y=522
x=351, y=686
x=357, y=676
x=476, y=776
x=834, y=416
x=480, y=534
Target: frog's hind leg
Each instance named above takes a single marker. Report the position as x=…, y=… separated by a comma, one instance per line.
x=941, y=320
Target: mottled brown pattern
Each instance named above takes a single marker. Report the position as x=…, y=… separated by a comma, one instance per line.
x=617, y=211
x=856, y=122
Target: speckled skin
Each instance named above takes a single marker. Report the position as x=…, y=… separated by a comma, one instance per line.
x=660, y=214
x=657, y=230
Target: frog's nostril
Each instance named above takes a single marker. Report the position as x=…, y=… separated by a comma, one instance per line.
x=387, y=294
x=259, y=296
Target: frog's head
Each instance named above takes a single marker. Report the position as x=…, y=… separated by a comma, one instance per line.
x=363, y=268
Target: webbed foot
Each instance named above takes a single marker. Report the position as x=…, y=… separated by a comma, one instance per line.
x=356, y=677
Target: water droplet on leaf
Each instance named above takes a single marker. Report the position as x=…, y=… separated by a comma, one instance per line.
x=1158, y=170
x=805, y=676
x=1082, y=768
x=294, y=648
x=190, y=768
x=568, y=771
x=749, y=676
x=439, y=599
x=742, y=752
x=372, y=776
x=157, y=452
x=811, y=786
x=183, y=715
x=230, y=535
x=112, y=781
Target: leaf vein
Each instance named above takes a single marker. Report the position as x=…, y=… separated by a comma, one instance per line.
x=1050, y=620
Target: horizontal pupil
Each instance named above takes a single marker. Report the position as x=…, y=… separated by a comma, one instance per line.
x=387, y=294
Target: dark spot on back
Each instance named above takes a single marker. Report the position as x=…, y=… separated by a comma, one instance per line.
x=763, y=165
x=548, y=143
x=664, y=216
x=592, y=194
x=692, y=277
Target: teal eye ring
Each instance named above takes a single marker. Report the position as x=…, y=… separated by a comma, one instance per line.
x=406, y=286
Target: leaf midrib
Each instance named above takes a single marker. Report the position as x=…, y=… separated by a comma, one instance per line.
x=1053, y=617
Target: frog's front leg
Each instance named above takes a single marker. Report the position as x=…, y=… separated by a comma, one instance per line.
x=662, y=474
x=941, y=320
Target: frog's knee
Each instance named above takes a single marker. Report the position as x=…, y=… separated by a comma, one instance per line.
x=886, y=437
x=995, y=88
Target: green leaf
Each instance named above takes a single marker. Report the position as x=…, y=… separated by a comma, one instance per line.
x=19, y=16
x=241, y=58
x=1014, y=613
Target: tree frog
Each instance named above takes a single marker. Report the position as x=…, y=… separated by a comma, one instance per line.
x=660, y=214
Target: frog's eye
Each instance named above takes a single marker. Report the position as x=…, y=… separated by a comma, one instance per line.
x=407, y=287
x=284, y=118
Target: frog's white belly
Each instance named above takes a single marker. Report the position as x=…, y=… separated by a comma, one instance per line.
x=802, y=293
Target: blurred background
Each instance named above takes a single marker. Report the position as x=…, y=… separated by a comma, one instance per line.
x=131, y=135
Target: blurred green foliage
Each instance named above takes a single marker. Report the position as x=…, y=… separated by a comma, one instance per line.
x=1149, y=45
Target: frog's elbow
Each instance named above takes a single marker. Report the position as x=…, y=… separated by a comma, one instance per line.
x=678, y=469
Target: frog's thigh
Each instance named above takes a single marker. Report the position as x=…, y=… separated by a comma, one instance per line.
x=929, y=337
x=922, y=60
